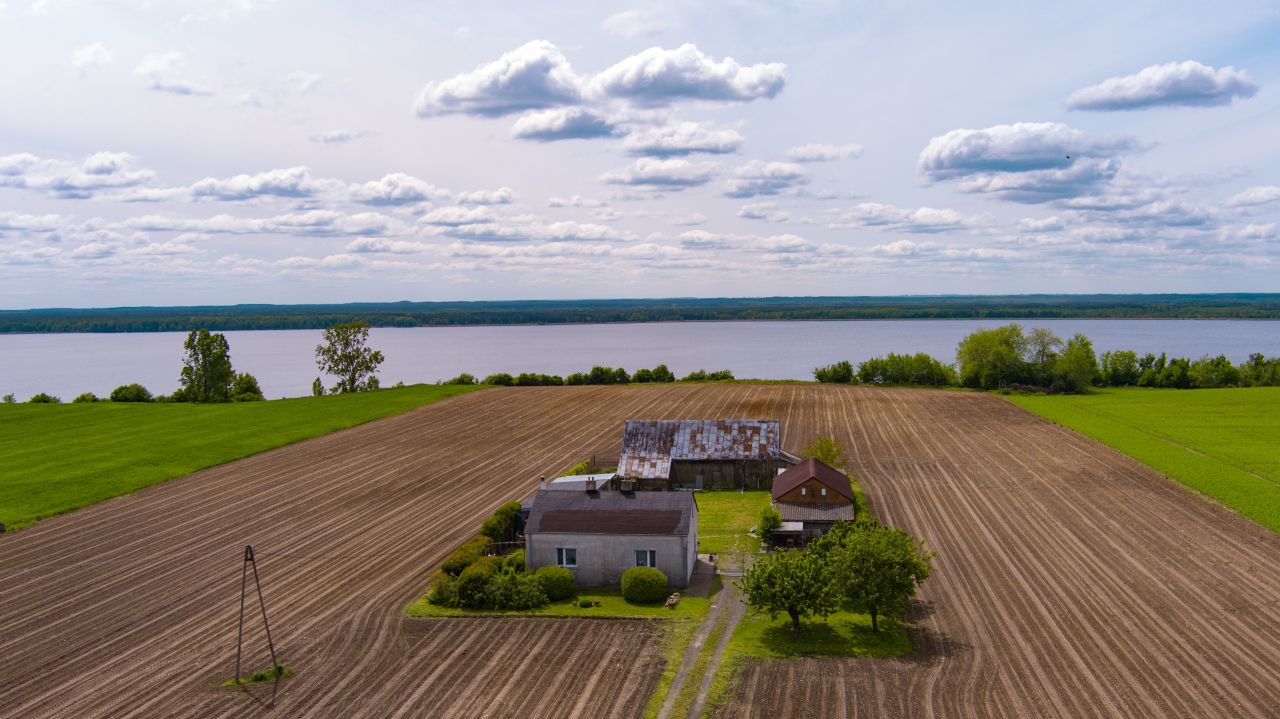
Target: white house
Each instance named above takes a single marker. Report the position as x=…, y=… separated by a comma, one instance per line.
x=601, y=534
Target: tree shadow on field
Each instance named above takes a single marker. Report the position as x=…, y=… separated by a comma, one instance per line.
x=928, y=646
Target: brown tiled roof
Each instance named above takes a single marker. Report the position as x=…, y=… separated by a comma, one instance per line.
x=649, y=446
x=608, y=512
x=809, y=469
x=815, y=512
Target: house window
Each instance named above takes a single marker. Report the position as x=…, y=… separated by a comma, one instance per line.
x=802, y=491
x=823, y=491
x=567, y=556
x=646, y=558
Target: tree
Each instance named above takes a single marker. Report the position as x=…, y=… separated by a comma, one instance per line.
x=1077, y=367
x=839, y=373
x=86, y=397
x=794, y=582
x=465, y=378
x=770, y=521
x=1042, y=351
x=345, y=355
x=206, y=370
x=989, y=357
x=827, y=449
x=43, y=398
x=244, y=388
x=317, y=388
x=1120, y=368
x=10, y=399
x=875, y=569
x=1216, y=372
x=131, y=393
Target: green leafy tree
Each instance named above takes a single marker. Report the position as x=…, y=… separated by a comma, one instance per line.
x=206, y=369
x=839, y=373
x=131, y=393
x=793, y=582
x=662, y=374
x=1120, y=368
x=1215, y=372
x=10, y=399
x=989, y=357
x=1042, y=353
x=770, y=522
x=464, y=378
x=345, y=354
x=501, y=525
x=43, y=398
x=499, y=379
x=828, y=449
x=245, y=388
x=317, y=388
x=874, y=569
x=86, y=397
x=1077, y=367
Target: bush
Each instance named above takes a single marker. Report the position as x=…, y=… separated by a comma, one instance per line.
x=443, y=590
x=43, y=398
x=131, y=393
x=9, y=398
x=576, y=378
x=466, y=555
x=473, y=583
x=317, y=388
x=245, y=388
x=644, y=585
x=86, y=397
x=557, y=582
x=582, y=467
x=515, y=590
x=500, y=527
x=642, y=376
x=839, y=373
x=585, y=603
x=702, y=375
x=531, y=379
x=501, y=379
x=464, y=378
x=770, y=521
x=514, y=562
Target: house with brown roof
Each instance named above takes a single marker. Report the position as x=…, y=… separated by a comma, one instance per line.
x=811, y=496
x=598, y=535
x=701, y=453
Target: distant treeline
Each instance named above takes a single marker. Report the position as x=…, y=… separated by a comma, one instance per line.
x=1009, y=358
x=597, y=375
x=437, y=314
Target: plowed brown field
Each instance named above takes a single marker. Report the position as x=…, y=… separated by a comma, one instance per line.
x=1072, y=581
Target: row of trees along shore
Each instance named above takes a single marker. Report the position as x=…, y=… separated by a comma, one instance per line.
x=1009, y=357
x=597, y=375
x=207, y=374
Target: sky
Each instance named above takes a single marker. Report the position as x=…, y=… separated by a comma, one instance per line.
x=246, y=151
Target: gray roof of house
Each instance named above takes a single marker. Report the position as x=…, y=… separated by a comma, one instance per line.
x=608, y=512
x=815, y=512
x=650, y=445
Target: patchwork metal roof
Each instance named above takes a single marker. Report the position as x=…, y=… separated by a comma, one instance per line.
x=649, y=446
x=815, y=512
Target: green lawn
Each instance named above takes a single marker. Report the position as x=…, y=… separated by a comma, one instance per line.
x=1224, y=443
x=611, y=605
x=725, y=516
x=58, y=457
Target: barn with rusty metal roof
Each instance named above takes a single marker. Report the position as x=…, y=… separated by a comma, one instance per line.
x=702, y=453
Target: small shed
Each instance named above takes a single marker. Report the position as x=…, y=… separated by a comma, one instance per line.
x=598, y=535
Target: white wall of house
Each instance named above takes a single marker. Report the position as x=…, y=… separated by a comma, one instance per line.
x=602, y=558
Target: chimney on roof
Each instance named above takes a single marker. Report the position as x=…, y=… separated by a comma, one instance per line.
x=542, y=482
x=591, y=484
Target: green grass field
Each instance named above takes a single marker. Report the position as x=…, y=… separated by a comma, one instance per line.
x=1224, y=443
x=725, y=517
x=58, y=457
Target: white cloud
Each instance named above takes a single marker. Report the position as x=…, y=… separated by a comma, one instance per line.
x=1262, y=195
x=339, y=136
x=703, y=240
x=764, y=178
x=1174, y=84
x=1024, y=162
x=500, y=196
x=880, y=216
x=814, y=152
x=457, y=216
x=683, y=138
x=528, y=228
x=17, y=221
x=655, y=173
x=382, y=245
x=90, y=57
x=1046, y=224
x=575, y=201
x=696, y=218
x=633, y=24
x=658, y=77
x=1269, y=231
x=311, y=222
x=767, y=211
x=562, y=123
x=292, y=182
x=395, y=189
x=535, y=75
x=300, y=83
x=97, y=172
x=164, y=72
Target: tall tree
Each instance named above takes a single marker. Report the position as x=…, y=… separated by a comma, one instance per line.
x=988, y=357
x=206, y=369
x=1077, y=367
x=827, y=449
x=344, y=355
x=874, y=569
x=794, y=582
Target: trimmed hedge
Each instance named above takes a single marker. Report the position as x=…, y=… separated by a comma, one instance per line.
x=557, y=582
x=644, y=585
x=466, y=555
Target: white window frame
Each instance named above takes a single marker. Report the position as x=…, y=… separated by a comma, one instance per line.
x=823, y=491
x=803, y=491
x=562, y=555
x=649, y=555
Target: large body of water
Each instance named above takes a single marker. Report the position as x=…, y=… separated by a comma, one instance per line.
x=284, y=360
